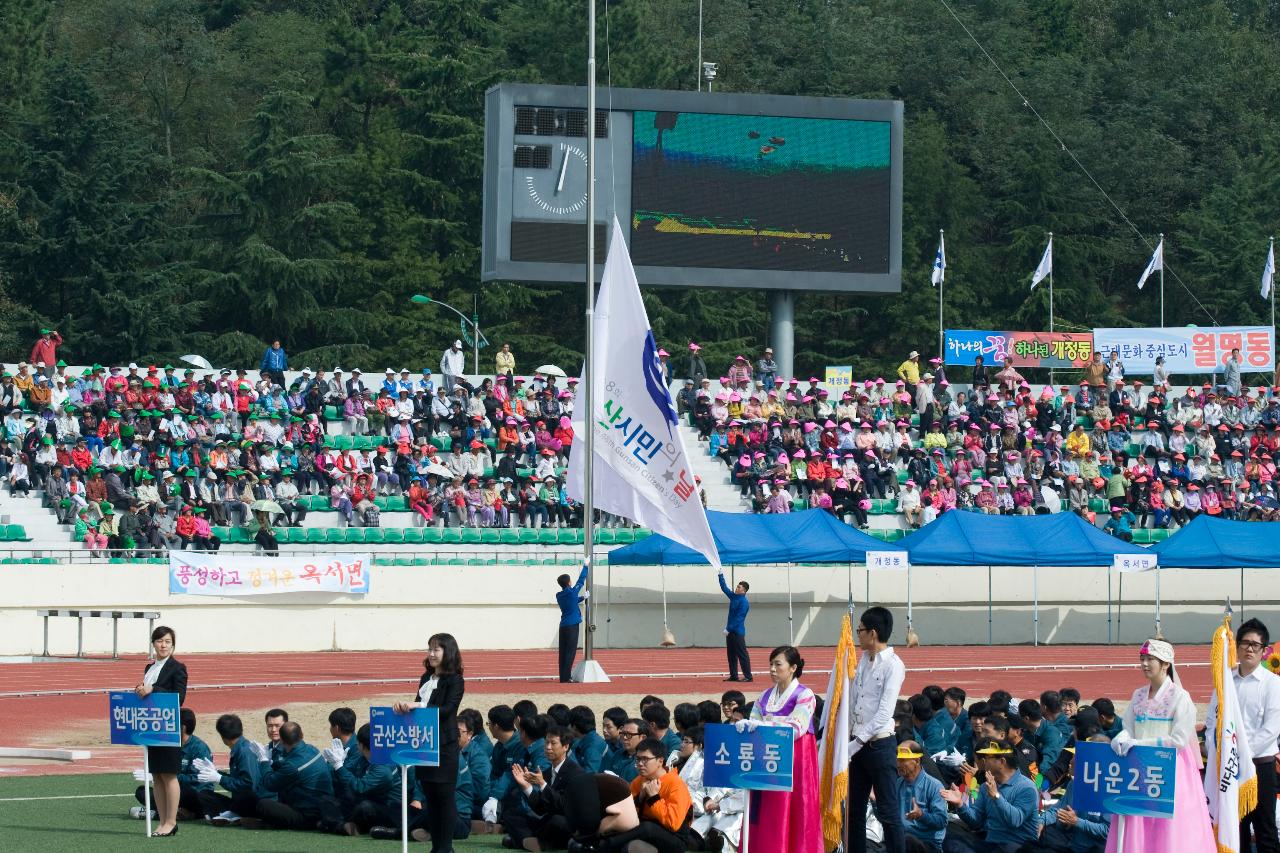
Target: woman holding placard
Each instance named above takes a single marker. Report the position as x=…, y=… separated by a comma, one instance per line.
x=787, y=820
x=1161, y=713
x=166, y=674
x=441, y=686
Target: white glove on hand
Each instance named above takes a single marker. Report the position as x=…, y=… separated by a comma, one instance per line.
x=208, y=775
x=489, y=811
x=141, y=775
x=1122, y=744
x=203, y=764
x=747, y=725
x=334, y=756
x=260, y=752
x=585, y=594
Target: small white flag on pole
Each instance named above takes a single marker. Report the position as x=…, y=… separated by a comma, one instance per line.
x=640, y=468
x=1156, y=263
x=939, y=263
x=1269, y=271
x=1046, y=266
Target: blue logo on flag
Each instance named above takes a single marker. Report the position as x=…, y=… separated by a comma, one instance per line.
x=658, y=391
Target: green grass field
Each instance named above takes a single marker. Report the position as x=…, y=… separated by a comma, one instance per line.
x=57, y=813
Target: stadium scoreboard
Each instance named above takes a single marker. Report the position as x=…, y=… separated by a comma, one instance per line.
x=712, y=189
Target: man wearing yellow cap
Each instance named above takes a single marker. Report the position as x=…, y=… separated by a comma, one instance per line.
x=1005, y=814
x=924, y=812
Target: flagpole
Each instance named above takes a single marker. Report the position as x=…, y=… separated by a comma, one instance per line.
x=588, y=379
x=1162, y=279
x=1271, y=254
x=942, y=342
x=1051, y=380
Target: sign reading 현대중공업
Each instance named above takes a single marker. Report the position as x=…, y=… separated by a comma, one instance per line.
x=1193, y=349
x=404, y=739
x=153, y=721
x=1141, y=782
x=258, y=574
x=759, y=760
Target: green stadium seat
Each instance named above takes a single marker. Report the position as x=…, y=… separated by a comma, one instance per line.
x=372, y=535
x=625, y=536
x=1141, y=536
x=798, y=505
x=424, y=560
x=491, y=536
x=220, y=532
x=384, y=561
x=569, y=536
x=1159, y=534
x=334, y=536
x=355, y=535
x=643, y=533
x=510, y=536
x=528, y=535
x=471, y=535
x=1098, y=504
x=315, y=535
x=606, y=537
x=440, y=442
x=404, y=561
x=397, y=503
x=331, y=413
x=16, y=533
x=491, y=443
x=241, y=536
x=902, y=477
x=285, y=535
x=432, y=535
x=343, y=442
x=548, y=536
x=412, y=535
x=451, y=535
x=568, y=560
x=393, y=535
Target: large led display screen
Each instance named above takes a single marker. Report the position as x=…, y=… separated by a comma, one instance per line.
x=760, y=192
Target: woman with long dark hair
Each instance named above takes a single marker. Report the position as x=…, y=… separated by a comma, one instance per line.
x=166, y=674
x=441, y=686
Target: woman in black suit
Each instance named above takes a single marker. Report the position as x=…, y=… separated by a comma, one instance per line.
x=441, y=686
x=166, y=674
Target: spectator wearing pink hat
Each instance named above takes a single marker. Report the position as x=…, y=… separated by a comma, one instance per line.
x=909, y=505
x=779, y=499
x=697, y=366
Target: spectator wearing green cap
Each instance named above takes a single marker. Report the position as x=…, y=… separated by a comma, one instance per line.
x=86, y=531
x=46, y=349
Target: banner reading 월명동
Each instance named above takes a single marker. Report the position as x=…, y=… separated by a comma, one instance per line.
x=1193, y=349
x=259, y=574
x=1027, y=349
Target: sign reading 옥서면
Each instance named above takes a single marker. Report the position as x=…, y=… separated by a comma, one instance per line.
x=257, y=574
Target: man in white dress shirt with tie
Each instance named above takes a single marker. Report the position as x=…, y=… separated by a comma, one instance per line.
x=1259, y=694
x=873, y=749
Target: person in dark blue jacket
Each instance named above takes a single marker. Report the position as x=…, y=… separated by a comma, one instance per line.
x=588, y=747
x=570, y=599
x=735, y=630
x=274, y=363
x=240, y=781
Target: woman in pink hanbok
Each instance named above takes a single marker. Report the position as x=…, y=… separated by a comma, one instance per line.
x=788, y=821
x=1161, y=713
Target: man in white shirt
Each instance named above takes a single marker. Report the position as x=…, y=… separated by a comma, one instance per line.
x=452, y=363
x=1259, y=693
x=873, y=749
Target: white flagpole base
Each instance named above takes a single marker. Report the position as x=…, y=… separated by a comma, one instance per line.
x=589, y=672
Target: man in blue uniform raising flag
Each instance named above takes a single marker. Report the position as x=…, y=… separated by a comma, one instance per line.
x=570, y=599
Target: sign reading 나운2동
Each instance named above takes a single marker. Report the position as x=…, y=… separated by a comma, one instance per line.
x=1137, y=783
x=152, y=721
x=759, y=760
x=404, y=739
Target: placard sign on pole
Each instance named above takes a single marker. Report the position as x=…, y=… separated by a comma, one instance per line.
x=888, y=561
x=153, y=721
x=759, y=760
x=838, y=379
x=1140, y=783
x=1141, y=563
x=410, y=739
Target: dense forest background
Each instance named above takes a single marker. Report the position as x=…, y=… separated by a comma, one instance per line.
x=204, y=175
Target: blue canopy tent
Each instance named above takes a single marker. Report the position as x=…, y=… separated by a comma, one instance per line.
x=812, y=536
x=1216, y=543
x=977, y=539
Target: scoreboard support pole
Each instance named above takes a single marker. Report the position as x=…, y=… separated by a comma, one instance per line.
x=782, y=330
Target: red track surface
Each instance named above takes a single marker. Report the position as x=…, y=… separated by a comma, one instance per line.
x=31, y=701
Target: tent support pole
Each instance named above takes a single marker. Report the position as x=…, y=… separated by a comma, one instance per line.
x=1159, y=636
x=849, y=577
x=909, y=613
x=608, y=609
x=1120, y=607
x=1242, y=594
x=868, y=586
x=989, y=630
x=791, y=618
x=1035, y=607
x=1109, y=639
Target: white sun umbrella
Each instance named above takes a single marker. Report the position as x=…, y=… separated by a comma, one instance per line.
x=439, y=470
x=198, y=361
x=550, y=370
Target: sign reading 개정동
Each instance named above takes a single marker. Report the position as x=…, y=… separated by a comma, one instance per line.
x=404, y=739
x=1139, y=783
x=1027, y=349
x=759, y=760
x=255, y=574
x=888, y=561
x=838, y=380
x=153, y=721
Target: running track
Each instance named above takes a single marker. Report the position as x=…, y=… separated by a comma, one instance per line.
x=40, y=698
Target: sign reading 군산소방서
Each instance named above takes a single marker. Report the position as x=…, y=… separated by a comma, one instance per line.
x=404, y=739
x=1138, y=783
x=759, y=760
x=153, y=721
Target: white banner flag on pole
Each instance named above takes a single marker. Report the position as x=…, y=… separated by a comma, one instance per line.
x=1269, y=271
x=640, y=470
x=939, y=263
x=1046, y=266
x=1156, y=263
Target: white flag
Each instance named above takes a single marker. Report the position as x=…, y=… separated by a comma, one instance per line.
x=1046, y=266
x=1230, y=780
x=939, y=262
x=1269, y=271
x=1156, y=263
x=640, y=467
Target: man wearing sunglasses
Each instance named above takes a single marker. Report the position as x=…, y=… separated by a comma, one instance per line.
x=1258, y=690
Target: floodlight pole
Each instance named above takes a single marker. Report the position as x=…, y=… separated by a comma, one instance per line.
x=588, y=370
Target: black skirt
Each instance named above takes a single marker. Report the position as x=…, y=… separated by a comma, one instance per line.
x=164, y=759
x=448, y=769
